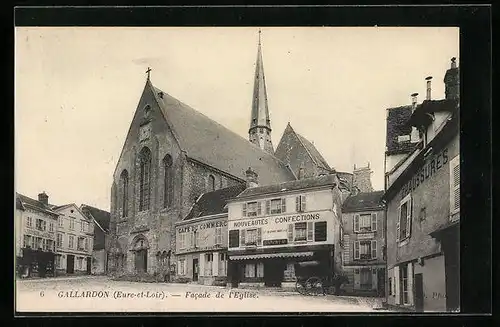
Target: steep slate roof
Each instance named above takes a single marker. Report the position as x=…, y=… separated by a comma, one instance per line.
x=23, y=200
x=363, y=201
x=290, y=186
x=100, y=216
x=212, y=203
x=315, y=154
x=397, y=119
x=213, y=144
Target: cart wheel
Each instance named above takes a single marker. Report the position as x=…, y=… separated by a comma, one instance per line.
x=314, y=286
x=300, y=286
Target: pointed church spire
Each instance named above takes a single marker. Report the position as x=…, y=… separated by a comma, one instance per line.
x=260, y=124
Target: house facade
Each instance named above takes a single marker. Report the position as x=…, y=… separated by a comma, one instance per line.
x=270, y=228
x=74, y=241
x=201, y=249
x=363, y=221
x=100, y=248
x=35, y=226
x=423, y=208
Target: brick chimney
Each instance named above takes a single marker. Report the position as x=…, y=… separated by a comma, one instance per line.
x=44, y=198
x=252, y=178
x=415, y=134
x=452, y=81
x=362, y=179
x=428, y=95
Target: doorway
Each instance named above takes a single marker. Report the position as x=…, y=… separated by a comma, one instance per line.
x=195, y=269
x=141, y=261
x=70, y=264
x=381, y=282
x=419, y=292
x=89, y=265
x=273, y=273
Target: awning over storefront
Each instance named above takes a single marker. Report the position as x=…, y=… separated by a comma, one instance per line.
x=271, y=255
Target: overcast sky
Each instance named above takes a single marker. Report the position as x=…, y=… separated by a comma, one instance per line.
x=76, y=90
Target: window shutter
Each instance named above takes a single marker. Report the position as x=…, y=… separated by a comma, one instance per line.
x=244, y=210
x=268, y=207
x=290, y=233
x=455, y=185
x=408, y=218
x=398, y=226
x=310, y=231
x=374, y=249
x=356, y=250
x=297, y=203
x=283, y=205
x=397, y=285
x=303, y=203
x=374, y=222
x=242, y=237
x=259, y=236
x=259, y=209
x=356, y=223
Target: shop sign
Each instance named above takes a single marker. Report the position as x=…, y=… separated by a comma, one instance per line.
x=275, y=242
x=202, y=226
x=366, y=236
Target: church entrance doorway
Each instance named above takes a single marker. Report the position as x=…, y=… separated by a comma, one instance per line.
x=140, y=249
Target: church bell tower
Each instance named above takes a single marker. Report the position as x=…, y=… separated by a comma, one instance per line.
x=260, y=124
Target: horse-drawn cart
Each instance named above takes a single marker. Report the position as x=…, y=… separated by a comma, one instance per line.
x=316, y=278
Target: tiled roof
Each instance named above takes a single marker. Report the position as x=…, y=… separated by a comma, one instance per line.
x=22, y=200
x=290, y=186
x=213, y=144
x=363, y=201
x=315, y=154
x=102, y=217
x=397, y=119
x=212, y=203
x=420, y=115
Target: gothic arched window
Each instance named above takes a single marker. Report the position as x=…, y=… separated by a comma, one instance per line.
x=124, y=194
x=211, y=183
x=144, y=179
x=168, y=187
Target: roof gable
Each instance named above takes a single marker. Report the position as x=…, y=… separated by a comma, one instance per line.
x=101, y=217
x=212, y=203
x=397, y=119
x=23, y=201
x=300, y=184
x=363, y=201
x=68, y=207
x=215, y=145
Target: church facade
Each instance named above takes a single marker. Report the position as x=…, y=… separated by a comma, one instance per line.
x=173, y=154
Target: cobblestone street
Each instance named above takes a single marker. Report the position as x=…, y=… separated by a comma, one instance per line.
x=100, y=294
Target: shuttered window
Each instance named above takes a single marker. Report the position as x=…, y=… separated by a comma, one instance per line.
x=320, y=231
x=242, y=237
x=454, y=186
x=218, y=235
x=374, y=222
x=403, y=226
x=356, y=223
x=234, y=238
x=374, y=249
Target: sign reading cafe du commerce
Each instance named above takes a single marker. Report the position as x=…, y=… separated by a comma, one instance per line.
x=202, y=226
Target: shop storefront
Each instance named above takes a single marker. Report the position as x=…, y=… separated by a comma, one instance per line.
x=36, y=263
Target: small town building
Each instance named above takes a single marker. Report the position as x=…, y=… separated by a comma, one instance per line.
x=423, y=204
x=363, y=221
x=74, y=240
x=100, y=246
x=35, y=226
x=201, y=249
x=270, y=228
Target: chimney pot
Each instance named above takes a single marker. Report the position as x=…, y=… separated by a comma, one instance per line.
x=44, y=198
x=453, y=62
x=301, y=172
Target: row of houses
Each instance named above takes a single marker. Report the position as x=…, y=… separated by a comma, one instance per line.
x=56, y=240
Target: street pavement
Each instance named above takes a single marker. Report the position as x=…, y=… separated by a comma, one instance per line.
x=100, y=294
